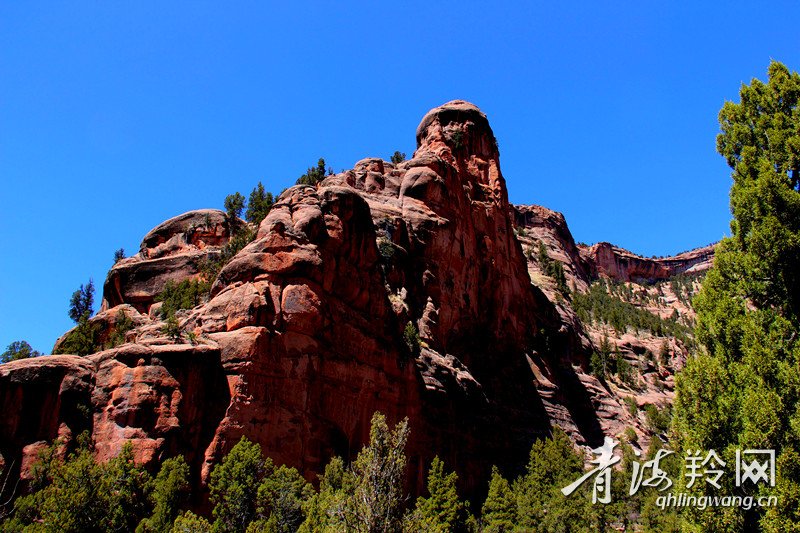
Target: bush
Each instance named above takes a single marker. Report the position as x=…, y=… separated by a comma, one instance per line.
x=411, y=338
x=82, y=339
x=172, y=328
x=398, y=157
x=187, y=294
x=119, y=255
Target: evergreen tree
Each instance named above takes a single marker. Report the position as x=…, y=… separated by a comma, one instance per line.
x=742, y=391
x=376, y=502
x=234, y=487
x=258, y=205
x=18, y=350
x=81, y=303
x=189, y=522
x=170, y=491
x=442, y=511
x=323, y=510
x=234, y=204
x=553, y=465
x=281, y=498
x=398, y=157
x=313, y=175
x=499, y=513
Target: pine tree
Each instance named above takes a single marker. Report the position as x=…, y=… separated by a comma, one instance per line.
x=499, y=513
x=313, y=175
x=82, y=301
x=18, y=350
x=258, y=205
x=442, y=511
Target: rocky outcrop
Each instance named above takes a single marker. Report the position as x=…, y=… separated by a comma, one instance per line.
x=399, y=288
x=172, y=251
x=619, y=264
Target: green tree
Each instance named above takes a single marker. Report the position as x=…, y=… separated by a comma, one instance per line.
x=376, y=502
x=313, y=175
x=553, y=465
x=127, y=486
x=742, y=390
x=81, y=302
x=170, y=492
x=189, y=522
x=234, y=204
x=324, y=509
x=398, y=157
x=119, y=255
x=499, y=513
x=281, y=497
x=442, y=511
x=76, y=494
x=258, y=205
x=234, y=487
x=82, y=339
x=18, y=350
x=184, y=295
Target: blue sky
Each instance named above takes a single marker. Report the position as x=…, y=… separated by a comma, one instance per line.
x=116, y=116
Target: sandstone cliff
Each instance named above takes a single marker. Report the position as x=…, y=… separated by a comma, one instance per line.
x=302, y=337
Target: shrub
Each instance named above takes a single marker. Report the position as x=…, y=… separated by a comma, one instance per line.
x=398, y=157
x=411, y=338
x=184, y=295
x=172, y=328
x=119, y=255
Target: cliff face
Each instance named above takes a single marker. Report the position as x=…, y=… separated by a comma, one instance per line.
x=302, y=338
x=619, y=264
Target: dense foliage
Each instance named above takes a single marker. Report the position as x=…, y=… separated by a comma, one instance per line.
x=249, y=494
x=600, y=306
x=742, y=390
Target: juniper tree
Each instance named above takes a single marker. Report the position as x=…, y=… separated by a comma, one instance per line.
x=742, y=390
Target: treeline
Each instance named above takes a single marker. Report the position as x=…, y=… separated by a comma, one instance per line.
x=249, y=494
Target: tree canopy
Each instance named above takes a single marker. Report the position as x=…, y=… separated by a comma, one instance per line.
x=741, y=391
x=18, y=350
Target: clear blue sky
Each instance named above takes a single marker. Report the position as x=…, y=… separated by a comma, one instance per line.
x=115, y=116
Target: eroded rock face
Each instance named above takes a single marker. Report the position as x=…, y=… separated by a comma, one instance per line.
x=305, y=334
x=172, y=251
x=621, y=265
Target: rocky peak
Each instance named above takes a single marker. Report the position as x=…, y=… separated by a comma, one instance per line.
x=399, y=288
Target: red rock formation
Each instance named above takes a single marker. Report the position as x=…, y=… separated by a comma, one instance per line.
x=172, y=251
x=302, y=338
x=621, y=265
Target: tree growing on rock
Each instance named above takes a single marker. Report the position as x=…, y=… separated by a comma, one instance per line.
x=82, y=301
x=18, y=350
x=234, y=204
x=258, y=205
x=313, y=175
